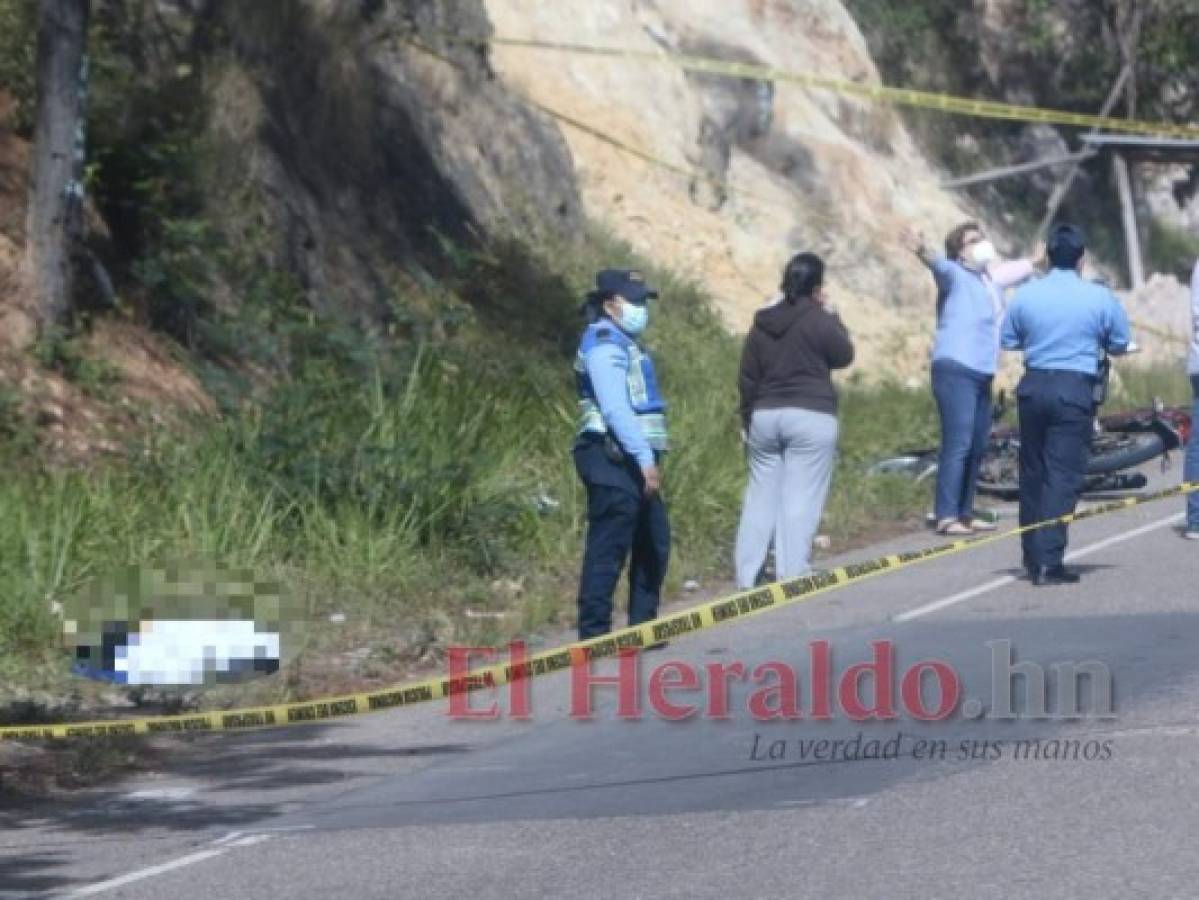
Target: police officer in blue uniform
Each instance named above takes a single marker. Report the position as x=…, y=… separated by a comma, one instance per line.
x=1061, y=322
x=617, y=452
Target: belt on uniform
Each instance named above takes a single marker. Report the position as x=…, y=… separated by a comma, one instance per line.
x=612, y=447
x=1070, y=373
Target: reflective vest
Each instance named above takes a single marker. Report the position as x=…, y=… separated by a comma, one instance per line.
x=642, y=384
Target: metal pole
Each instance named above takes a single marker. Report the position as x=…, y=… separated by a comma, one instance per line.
x=1020, y=169
x=1132, y=238
x=1063, y=186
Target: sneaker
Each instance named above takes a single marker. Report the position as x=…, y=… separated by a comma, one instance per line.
x=1191, y=534
x=953, y=528
x=982, y=525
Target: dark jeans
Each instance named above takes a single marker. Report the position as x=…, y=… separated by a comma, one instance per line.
x=1191, y=465
x=963, y=398
x=1057, y=411
x=621, y=521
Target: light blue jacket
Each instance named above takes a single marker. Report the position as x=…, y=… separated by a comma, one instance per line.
x=969, y=309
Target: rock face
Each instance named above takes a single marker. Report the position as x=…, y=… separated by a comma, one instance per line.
x=777, y=168
x=1172, y=192
x=367, y=150
x=351, y=138
x=337, y=148
x=1161, y=317
x=372, y=130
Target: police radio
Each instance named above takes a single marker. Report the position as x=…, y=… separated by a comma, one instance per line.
x=1099, y=390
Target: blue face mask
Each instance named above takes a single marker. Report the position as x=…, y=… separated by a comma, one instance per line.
x=634, y=318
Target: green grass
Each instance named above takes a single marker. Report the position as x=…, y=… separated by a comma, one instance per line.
x=402, y=481
x=1138, y=386
x=18, y=50
x=1172, y=250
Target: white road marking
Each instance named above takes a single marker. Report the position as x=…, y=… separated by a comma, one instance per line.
x=955, y=599
x=852, y=802
x=141, y=874
x=164, y=793
x=1155, y=731
x=937, y=605
x=250, y=840
x=220, y=846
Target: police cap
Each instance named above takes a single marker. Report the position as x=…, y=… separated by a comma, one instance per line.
x=628, y=283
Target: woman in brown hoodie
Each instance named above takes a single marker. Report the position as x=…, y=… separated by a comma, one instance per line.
x=789, y=416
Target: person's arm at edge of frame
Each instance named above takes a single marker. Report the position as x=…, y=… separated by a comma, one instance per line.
x=1195, y=296
x=1015, y=272
x=608, y=367
x=1117, y=332
x=1011, y=335
x=839, y=349
x=749, y=374
x=937, y=262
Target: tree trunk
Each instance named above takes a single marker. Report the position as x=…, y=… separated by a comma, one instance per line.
x=55, y=219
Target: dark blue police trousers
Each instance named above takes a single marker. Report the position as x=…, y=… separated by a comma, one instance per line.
x=621, y=521
x=1057, y=410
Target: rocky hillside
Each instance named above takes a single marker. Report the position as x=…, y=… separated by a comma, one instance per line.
x=796, y=169
x=1063, y=55
x=346, y=145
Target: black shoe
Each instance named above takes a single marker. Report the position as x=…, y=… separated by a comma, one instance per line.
x=1058, y=574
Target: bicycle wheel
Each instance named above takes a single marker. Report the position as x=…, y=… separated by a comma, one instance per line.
x=1112, y=452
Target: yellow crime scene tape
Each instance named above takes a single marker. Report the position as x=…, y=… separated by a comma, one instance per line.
x=689, y=621
x=705, y=64
x=966, y=106
x=694, y=619
x=694, y=174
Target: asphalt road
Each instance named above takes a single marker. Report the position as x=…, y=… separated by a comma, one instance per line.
x=413, y=804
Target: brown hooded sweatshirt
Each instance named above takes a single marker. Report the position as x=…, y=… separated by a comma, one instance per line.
x=788, y=355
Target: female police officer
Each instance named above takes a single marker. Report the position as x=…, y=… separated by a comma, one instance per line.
x=620, y=441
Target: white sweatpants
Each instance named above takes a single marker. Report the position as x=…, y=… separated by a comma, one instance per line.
x=791, y=456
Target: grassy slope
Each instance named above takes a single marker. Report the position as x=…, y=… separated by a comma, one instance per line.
x=397, y=478
x=402, y=479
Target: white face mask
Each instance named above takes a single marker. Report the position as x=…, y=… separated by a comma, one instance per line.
x=634, y=318
x=982, y=253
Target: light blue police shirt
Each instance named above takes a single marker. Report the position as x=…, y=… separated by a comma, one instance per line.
x=1062, y=320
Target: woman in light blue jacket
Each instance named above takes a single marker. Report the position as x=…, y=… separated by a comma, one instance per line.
x=970, y=304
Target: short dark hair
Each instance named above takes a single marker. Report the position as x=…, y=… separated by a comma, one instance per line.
x=956, y=239
x=803, y=275
x=1065, y=246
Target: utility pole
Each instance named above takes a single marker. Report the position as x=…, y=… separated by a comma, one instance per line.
x=1130, y=15
x=1063, y=187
